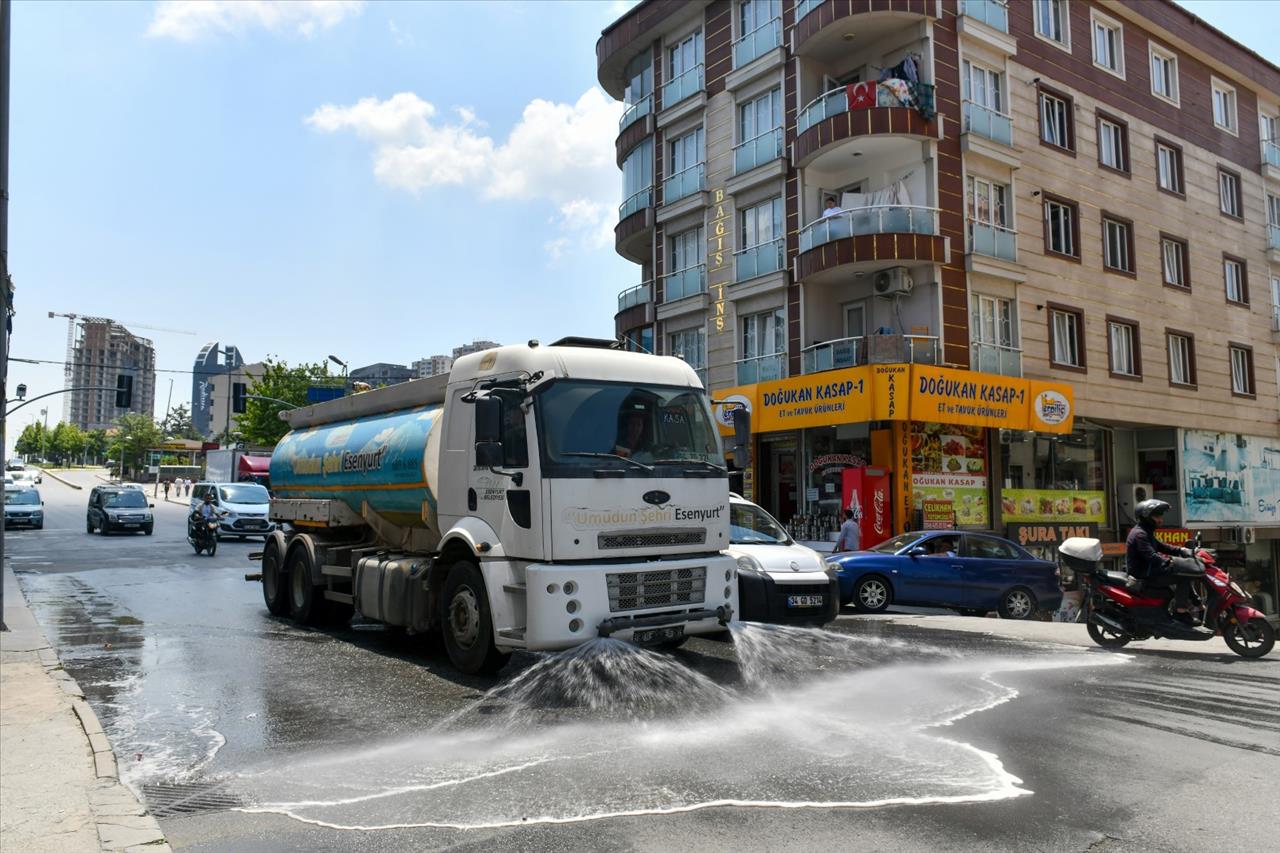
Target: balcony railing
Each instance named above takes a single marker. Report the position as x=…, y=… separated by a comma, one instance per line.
x=1271, y=152
x=1275, y=318
x=804, y=7
x=985, y=121
x=635, y=112
x=638, y=201
x=761, y=149
x=1273, y=236
x=757, y=260
x=633, y=296
x=762, y=368
x=832, y=355
x=882, y=219
x=995, y=358
x=837, y=101
x=759, y=41
x=993, y=13
x=685, y=282
x=994, y=241
x=681, y=87
x=685, y=182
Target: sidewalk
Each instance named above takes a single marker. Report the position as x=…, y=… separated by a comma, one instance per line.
x=58, y=779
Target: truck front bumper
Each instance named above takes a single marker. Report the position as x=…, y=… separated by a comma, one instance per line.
x=570, y=604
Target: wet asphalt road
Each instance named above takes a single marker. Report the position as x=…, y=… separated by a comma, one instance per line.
x=214, y=707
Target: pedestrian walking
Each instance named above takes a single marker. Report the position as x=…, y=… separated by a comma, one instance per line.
x=850, y=534
x=166, y=489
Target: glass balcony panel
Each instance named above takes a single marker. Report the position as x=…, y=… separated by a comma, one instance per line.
x=837, y=101
x=1271, y=152
x=994, y=358
x=1273, y=236
x=687, y=84
x=921, y=349
x=758, y=260
x=639, y=201
x=833, y=355
x=993, y=13
x=635, y=112
x=804, y=7
x=633, y=296
x=686, y=282
x=884, y=219
x=986, y=122
x=685, y=183
x=763, y=368
x=759, y=41
x=765, y=147
x=993, y=241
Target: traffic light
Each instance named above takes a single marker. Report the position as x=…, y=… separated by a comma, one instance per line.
x=238, y=390
x=124, y=391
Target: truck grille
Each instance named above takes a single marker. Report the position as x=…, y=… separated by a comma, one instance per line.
x=662, y=588
x=657, y=539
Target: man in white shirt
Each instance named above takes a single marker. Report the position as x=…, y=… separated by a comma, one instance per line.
x=850, y=533
x=832, y=209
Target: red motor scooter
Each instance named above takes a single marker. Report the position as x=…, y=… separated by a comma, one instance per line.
x=1119, y=610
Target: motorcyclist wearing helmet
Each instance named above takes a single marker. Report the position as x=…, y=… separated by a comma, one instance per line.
x=1148, y=559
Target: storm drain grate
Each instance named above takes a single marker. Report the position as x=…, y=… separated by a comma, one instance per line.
x=174, y=799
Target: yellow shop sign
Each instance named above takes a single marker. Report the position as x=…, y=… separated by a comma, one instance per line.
x=818, y=399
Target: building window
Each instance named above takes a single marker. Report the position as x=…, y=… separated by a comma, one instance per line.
x=1273, y=218
x=639, y=340
x=686, y=55
x=637, y=177
x=1174, y=261
x=1224, y=106
x=760, y=115
x=1052, y=21
x=1117, y=244
x=762, y=223
x=1235, y=275
x=764, y=333
x=1269, y=128
x=1124, y=348
x=995, y=323
x=691, y=345
x=1056, y=125
x=1182, y=358
x=1108, y=44
x=1241, y=370
x=1169, y=167
x=1066, y=337
x=988, y=202
x=1229, y=194
x=1061, y=227
x=983, y=86
x=1164, y=73
x=685, y=250
x=686, y=153
x=1113, y=143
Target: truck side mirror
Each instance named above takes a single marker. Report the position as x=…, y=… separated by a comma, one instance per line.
x=741, y=437
x=488, y=454
x=488, y=420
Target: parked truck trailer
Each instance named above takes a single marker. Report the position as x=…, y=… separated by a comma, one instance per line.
x=533, y=498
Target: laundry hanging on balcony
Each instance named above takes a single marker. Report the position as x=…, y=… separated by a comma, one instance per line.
x=893, y=194
x=893, y=92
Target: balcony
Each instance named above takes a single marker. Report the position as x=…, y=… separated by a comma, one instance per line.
x=754, y=152
x=988, y=123
x=995, y=358
x=637, y=202
x=885, y=219
x=870, y=238
x=634, y=232
x=821, y=25
x=1273, y=244
x=684, y=86
x=684, y=183
x=758, y=42
x=1271, y=158
x=635, y=112
x=686, y=282
x=830, y=120
x=994, y=241
x=633, y=296
x=993, y=13
x=758, y=260
x=833, y=355
x=761, y=368
x=871, y=349
x=804, y=7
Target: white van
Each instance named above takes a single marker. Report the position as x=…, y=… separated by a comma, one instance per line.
x=779, y=580
x=244, y=507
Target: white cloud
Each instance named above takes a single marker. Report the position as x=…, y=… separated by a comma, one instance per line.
x=403, y=38
x=557, y=152
x=190, y=20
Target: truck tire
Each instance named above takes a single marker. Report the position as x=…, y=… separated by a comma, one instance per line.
x=466, y=622
x=275, y=583
x=305, y=601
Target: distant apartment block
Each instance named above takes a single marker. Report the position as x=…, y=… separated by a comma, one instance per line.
x=103, y=351
x=432, y=366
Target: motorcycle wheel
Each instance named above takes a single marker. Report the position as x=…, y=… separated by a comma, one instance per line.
x=1105, y=637
x=198, y=547
x=1252, y=640
x=213, y=546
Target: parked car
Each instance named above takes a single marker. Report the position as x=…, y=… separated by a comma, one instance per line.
x=245, y=506
x=26, y=477
x=779, y=580
x=119, y=508
x=974, y=573
x=23, y=508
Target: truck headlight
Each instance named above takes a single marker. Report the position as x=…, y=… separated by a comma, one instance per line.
x=747, y=563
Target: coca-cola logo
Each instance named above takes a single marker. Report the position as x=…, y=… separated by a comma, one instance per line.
x=877, y=503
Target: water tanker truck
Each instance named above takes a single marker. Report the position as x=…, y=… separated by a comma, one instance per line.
x=535, y=497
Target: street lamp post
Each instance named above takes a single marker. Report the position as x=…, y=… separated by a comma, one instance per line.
x=44, y=434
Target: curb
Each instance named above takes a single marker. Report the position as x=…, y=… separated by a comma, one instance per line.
x=121, y=820
x=49, y=473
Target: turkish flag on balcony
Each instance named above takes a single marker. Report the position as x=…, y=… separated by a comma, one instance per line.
x=862, y=96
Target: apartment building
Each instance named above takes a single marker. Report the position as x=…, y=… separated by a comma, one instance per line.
x=432, y=366
x=220, y=391
x=103, y=351
x=1008, y=265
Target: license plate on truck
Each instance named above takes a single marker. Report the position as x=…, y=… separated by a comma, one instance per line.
x=805, y=600
x=654, y=636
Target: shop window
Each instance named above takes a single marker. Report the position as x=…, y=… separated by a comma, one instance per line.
x=949, y=465
x=1054, y=479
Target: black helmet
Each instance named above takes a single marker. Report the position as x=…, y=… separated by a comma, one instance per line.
x=1148, y=508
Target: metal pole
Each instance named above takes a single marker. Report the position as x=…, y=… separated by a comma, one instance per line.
x=5, y=15
x=44, y=435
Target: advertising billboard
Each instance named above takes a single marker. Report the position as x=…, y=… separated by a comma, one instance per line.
x=1229, y=478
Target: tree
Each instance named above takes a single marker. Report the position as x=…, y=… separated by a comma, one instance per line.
x=178, y=423
x=135, y=434
x=32, y=441
x=260, y=424
x=66, y=442
x=95, y=444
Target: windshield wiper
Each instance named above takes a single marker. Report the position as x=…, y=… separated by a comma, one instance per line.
x=607, y=456
x=711, y=465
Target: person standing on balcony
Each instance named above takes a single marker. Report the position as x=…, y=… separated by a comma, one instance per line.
x=832, y=209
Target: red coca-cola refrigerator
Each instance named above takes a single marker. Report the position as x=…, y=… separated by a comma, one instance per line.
x=866, y=492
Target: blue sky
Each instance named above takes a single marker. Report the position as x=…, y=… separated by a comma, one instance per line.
x=381, y=181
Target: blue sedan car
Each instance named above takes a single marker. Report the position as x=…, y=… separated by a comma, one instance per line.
x=974, y=573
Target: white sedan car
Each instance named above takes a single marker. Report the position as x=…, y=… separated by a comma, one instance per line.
x=779, y=580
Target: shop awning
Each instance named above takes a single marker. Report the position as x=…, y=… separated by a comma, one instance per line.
x=255, y=466
x=904, y=392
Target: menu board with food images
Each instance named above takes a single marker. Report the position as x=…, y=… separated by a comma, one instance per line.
x=949, y=463
x=1017, y=505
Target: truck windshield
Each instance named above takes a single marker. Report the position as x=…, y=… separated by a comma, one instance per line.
x=243, y=493
x=637, y=428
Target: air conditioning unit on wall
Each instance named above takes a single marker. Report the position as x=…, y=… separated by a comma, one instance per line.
x=1248, y=535
x=893, y=282
x=1132, y=494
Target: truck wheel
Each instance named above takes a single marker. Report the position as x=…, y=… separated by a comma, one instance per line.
x=304, y=599
x=275, y=583
x=467, y=623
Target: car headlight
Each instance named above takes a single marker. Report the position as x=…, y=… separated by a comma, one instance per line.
x=747, y=563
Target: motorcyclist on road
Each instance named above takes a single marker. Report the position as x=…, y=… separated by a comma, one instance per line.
x=1148, y=559
x=207, y=510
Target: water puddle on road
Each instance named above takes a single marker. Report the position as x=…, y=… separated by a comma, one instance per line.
x=807, y=718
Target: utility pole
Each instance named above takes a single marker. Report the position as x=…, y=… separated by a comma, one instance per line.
x=44, y=435
x=5, y=292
